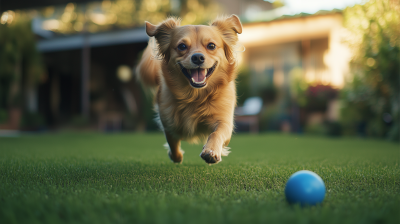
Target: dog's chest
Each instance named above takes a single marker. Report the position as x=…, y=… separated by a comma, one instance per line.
x=187, y=120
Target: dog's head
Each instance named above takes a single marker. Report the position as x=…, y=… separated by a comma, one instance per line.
x=197, y=54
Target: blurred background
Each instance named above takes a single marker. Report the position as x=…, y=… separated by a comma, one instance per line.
x=314, y=67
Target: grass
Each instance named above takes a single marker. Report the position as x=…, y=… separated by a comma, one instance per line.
x=128, y=178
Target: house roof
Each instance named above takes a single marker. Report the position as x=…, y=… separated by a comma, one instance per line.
x=285, y=29
x=284, y=17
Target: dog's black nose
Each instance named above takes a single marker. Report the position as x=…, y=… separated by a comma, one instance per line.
x=198, y=58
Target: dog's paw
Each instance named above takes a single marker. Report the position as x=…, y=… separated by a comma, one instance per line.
x=210, y=156
x=177, y=157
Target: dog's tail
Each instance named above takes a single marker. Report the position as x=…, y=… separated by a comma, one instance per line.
x=149, y=68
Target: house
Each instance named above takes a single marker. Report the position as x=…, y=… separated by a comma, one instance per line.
x=86, y=70
x=308, y=47
x=312, y=42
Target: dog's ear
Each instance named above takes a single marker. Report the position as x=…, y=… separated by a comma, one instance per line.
x=229, y=28
x=162, y=33
x=228, y=24
x=150, y=29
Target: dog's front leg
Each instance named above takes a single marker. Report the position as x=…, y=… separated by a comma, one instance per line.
x=175, y=153
x=216, y=144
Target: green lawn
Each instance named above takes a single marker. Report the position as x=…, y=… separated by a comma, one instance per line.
x=128, y=178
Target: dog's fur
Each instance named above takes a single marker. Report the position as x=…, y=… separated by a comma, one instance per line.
x=186, y=111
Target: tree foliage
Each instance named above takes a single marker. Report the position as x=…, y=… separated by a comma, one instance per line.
x=20, y=62
x=371, y=99
x=121, y=14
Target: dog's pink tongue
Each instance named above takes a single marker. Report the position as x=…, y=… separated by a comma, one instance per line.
x=198, y=74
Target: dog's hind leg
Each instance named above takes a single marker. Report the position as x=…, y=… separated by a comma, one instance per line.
x=175, y=153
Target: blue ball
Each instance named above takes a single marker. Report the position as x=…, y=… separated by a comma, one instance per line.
x=305, y=188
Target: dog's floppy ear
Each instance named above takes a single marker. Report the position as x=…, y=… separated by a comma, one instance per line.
x=229, y=27
x=162, y=33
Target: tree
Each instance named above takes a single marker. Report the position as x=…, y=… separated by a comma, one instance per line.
x=121, y=14
x=372, y=99
x=20, y=63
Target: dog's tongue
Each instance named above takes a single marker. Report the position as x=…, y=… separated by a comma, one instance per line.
x=198, y=74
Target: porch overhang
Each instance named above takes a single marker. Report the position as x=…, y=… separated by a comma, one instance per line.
x=137, y=35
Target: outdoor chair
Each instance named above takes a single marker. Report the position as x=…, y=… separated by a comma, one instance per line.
x=249, y=113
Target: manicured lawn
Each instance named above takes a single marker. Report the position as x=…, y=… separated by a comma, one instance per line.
x=128, y=178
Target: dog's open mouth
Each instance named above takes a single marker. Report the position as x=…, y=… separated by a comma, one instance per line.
x=198, y=76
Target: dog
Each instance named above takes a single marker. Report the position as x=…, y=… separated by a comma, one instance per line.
x=193, y=69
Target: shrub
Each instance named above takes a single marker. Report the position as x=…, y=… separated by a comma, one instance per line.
x=318, y=96
x=372, y=96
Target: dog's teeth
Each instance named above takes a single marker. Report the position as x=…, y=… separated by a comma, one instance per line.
x=193, y=80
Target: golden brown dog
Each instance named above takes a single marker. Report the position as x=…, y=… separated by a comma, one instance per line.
x=194, y=69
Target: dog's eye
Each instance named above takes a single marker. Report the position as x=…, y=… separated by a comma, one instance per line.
x=182, y=47
x=211, y=46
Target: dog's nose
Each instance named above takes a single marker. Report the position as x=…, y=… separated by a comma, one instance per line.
x=198, y=58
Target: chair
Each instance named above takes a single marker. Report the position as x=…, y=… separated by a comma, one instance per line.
x=249, y=113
